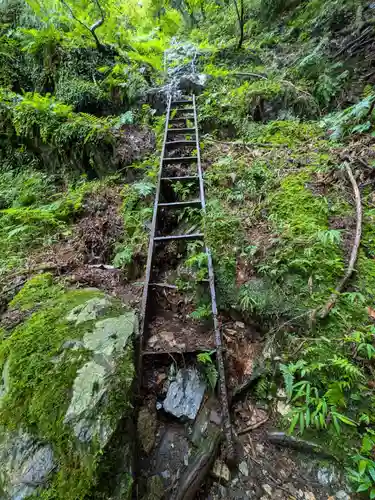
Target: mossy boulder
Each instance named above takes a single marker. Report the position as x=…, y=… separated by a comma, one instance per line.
x=66, y=375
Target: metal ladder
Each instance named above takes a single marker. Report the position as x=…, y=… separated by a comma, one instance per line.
x=183, y=110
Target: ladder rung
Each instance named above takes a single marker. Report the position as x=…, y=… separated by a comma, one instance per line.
x=178, y=120
x=193, y=236
x=180, y=178
x=177, y=144
x=176, y=204
x=177, y=103
x=177, y=159
x=184, y=110
x=181, y=131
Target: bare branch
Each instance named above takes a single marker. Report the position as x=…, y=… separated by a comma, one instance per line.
x=101, y=20
x=93, y=27
x=240, y=11
x=73, y=16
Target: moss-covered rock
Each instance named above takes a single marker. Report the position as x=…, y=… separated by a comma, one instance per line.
x=59, y=406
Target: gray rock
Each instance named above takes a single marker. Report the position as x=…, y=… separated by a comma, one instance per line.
x=185, y=394
x=111, y=335
x=308, y=495
x=268, y=489
x=243, y=468
x=73, y=344
x=219, y=492
x=342, y=495
x=90, y=310
x=4, y=380
x=88, y=389
x=192, y=83
x=91, y=386
x=26, y=464
x=180, y=62
x=326, y=476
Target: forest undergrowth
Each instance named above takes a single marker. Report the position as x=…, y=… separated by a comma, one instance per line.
x=287, y=128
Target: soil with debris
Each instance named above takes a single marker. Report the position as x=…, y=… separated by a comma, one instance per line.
x=267, y=471
x=83, y=257
x=171, y=329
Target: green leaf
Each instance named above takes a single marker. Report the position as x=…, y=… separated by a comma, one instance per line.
x=322, y=421
x=362, y=466
x=344, y=419
x=316, y=422
x=364, y=486
x=372, y=493
x=324, y=407
x=336, y=424
x=288, y=380
x=301, y=422
x=371, y=471
x=293, y=423
x=367, y=444
x=308, y=417
x=212, y=375
x=300, y=392
x=308, y=390
x=17, y=230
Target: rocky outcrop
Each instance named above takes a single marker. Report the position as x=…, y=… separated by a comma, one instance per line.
x=183, y=75
x=59, y=401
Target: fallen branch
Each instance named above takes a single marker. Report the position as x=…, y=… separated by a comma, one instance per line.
x=354, y=43
x=253, y=426
x=323, y=313
x=283, y=439
x=251, y=75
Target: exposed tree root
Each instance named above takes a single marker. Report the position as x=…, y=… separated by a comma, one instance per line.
x=296, y=443
x=323, y=313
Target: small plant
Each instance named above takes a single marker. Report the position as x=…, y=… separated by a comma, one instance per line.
x=208, y=366
x=363, y=474
x=198, y=263
x=183, y=189
x=201, y=312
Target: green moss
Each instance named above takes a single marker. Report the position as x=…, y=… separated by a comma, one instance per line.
x=306, y=248
x=368, y=232
x=34, y=215
x=222, y=228
x=366, y=276
x=31, y=349
x=295, y=208
x=282, y=94
x=36, y=290
x=290, y=132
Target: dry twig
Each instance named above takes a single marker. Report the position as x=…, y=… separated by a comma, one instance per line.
x=253, y=426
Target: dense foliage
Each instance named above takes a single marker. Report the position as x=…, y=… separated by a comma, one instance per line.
x=290, y=98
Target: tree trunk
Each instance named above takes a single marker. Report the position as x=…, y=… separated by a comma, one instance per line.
x=241, y=20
